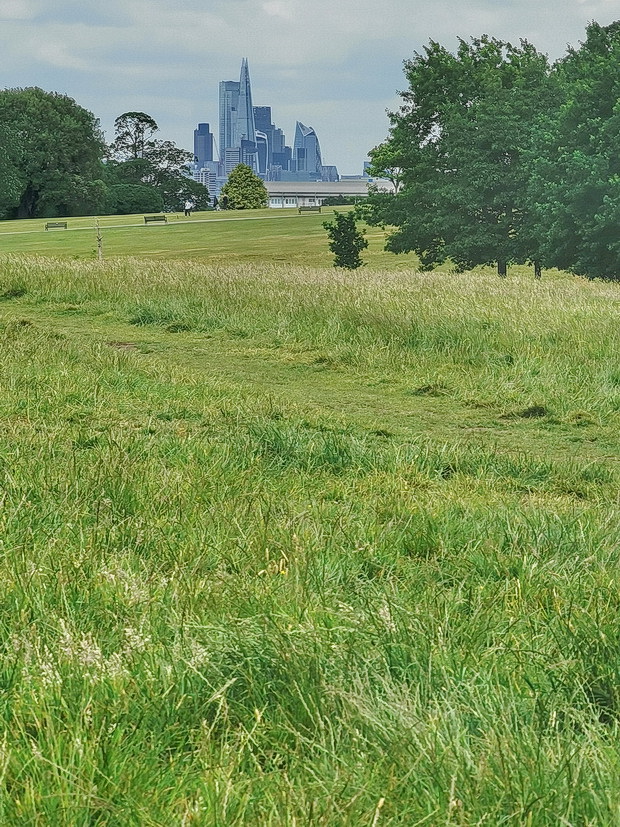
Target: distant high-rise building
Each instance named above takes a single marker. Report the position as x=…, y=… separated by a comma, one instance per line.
x=203, y=144
x=262, y=119
x=262, y=153
x=329, y=173
x=307, y=152
x=246, y=131
x=229, y=103
x=232, y=157
x=237, y=129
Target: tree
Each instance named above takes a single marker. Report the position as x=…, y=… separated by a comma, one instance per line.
x=461, y=142
x=386, y=162
x=56, y=153
x=244, y=190
x=127, y=199
x=346, y=241
x=577, y=168
x=140, y=160
x=133, y=131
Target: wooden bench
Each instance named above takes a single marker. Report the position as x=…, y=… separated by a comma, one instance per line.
x=56, y=225
x=308, y=209
x=150, y=219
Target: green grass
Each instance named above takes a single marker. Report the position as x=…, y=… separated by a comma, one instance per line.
x=258, y=235
x=286, y=546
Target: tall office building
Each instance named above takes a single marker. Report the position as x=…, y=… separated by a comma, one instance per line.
x=237, y=129
x=203, y=144
x=307, y=152
x=262, y=153
x=229, y=102
x=246, y=131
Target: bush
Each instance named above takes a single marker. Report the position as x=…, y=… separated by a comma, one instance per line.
x=346, y=241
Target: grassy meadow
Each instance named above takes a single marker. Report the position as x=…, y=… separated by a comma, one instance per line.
x=283, y=545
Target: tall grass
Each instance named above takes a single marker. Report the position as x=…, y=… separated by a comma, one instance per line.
x=223, y=607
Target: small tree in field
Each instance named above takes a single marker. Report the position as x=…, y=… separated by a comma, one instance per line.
x=346, y=241
x=244, y=190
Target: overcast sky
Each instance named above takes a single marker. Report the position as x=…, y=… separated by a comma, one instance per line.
x=333, y=64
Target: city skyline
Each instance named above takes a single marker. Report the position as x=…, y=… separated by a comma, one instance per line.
x=248, y=135
x=337, y=67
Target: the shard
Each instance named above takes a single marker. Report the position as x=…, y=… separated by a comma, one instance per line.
x=237, y=129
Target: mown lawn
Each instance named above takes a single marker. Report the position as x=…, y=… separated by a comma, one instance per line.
x=277, y=236
x=282, y=545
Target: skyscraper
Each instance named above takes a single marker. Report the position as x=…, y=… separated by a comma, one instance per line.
x=307, y=152
x=237, y=130
x=246, y=131
x=229, y=102
x=203, y=144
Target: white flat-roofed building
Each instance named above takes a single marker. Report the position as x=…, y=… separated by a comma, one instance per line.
x=287, y=194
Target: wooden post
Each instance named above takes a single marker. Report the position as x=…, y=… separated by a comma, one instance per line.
x=99, y=240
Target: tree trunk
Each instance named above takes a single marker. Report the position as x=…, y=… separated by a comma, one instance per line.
x=537, y=270
x=27, y=203
x=501, y=269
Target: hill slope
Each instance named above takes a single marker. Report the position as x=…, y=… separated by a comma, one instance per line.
x=286, y=546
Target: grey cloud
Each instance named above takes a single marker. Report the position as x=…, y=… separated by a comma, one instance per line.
x=334, y=65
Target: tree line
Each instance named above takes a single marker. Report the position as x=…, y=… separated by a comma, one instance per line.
x=54, y=161
x=498, y=157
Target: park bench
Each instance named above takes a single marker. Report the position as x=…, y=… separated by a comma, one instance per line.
x=56, y=225
x=309, y=209
x=150, y=219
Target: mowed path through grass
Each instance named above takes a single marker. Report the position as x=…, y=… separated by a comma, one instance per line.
x=282, y=545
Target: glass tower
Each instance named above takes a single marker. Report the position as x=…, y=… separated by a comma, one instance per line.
x=237, y=128
x=307, y=152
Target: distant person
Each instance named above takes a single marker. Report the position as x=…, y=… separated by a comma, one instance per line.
x=189, y=206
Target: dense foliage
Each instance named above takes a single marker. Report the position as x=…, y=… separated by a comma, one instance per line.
x=50, y=157
x=577, y=167
x=146, y=173
x=244, y=190
x=496, y=156
x=53, y=161
x=345, y=241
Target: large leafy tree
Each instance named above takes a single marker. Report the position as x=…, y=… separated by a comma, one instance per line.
x=385, y=162
x=461, y=143
x=56, y=149
x=142, y=161
x=577, y=166
x=244, y=190
x=133, y=131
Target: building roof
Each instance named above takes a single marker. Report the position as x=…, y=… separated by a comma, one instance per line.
x=324, y=188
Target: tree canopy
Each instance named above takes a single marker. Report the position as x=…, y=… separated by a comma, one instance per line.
x=244, y=190
x=461, y=147
x=52, y=156
x=141, y=161
x=133, y=131
x=576, y=169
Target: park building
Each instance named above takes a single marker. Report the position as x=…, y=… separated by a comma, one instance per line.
x=290, y=194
